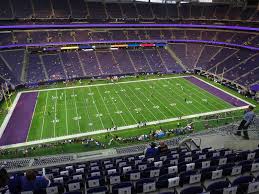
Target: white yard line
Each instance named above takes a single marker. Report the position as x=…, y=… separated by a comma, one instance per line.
x=9, y=114
x=74, y=98
x=192, y=99
x=97, y=109
x=178, y=99
x=7, y=118
x=107, y=110
x=43, y=117
x=124, y=82
x=87, y=112
x=66, y=110
x=125, y=105
x=218, y=103
x=152, y=102
x=142, y=103
x=116, y=107
x=55, y=109
x=223, y=91
x=134, y=105
x=168, y=109
x=35, y=105
x=119, y=128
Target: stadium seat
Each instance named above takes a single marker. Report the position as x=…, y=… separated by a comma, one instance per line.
x=242, y=183
x=74, y=185
x=95, y=181
x=217, y=187
x=125, y=187
x=146, y=185
x=97, y=190
x=192, y=190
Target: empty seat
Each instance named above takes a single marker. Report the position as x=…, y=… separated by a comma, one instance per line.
x=192, y=190
x=97, y=190
x=126, y=187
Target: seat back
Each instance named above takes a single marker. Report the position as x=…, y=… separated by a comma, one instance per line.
x=253, y=187
x=52, y=190
x=173, y=182
x=135, y=176
x=149, y=187
x=27, y=192
x=93, y=183
x=75, y=186
x=58, y=180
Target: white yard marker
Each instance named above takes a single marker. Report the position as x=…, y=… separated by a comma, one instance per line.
x=116, y=108
x=166, y=99
x=199, y=94
x=123, y=82
x=126, y=105
x=97, y=110
x=106, y=92
x=66, y=110
x=77, y=116
x=179, y=101
x=224, y=91
x=43, y=119
x=85, y=103
x=35, y=106
x=154, y=105
x=119, y=128
x=55, y=119
x=129, y=89
x=137, y=109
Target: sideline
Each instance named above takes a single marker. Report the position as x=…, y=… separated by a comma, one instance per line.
x=9, y=114
x=118, y=129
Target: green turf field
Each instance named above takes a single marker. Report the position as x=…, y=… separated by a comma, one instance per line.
x=67, y=111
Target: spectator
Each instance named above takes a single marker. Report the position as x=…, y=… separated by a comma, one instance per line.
x=31, y=182
x=151, y=151
x=4, y=179
x=162, y=148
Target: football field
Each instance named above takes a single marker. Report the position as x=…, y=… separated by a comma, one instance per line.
x=68, y=111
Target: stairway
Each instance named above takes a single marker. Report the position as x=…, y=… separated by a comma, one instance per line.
x=173, y=55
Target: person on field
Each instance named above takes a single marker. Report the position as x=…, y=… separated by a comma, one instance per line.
x=248, y=118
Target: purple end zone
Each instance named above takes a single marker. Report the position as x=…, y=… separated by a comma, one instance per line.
x=216, y=92
x=18, y=126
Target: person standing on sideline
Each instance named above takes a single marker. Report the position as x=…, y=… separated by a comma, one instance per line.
x=247, y=120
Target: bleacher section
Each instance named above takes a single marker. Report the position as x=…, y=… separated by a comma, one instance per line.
x=77, y=35
x=179, y=170
x=124, y=11
x=183, y=169
x=228, y=62
x=234, y=64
